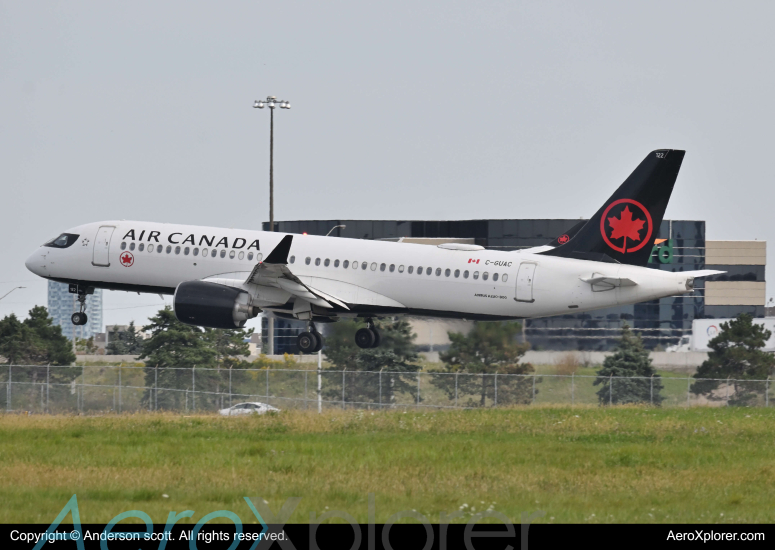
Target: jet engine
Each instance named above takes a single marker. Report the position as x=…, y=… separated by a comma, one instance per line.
x=212, y=305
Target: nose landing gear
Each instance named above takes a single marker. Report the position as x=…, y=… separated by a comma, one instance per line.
x=310, y=341
x=79, y=318
x=368, y=337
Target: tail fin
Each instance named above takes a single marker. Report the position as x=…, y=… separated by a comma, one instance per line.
x=624, y=228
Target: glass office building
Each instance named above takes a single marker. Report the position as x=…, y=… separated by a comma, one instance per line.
x=680, y=246
x=62, y=304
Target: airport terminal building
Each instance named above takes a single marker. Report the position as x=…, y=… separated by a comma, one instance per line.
x=680, y=245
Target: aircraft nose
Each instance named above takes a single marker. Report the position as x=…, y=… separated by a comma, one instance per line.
x=36, y=263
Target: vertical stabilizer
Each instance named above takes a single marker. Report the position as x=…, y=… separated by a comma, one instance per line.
x=624, y=228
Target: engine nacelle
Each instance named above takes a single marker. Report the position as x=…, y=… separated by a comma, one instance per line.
x=212, y=305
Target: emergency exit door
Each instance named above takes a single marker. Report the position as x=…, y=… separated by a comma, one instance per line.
x=101, y=256
x=525, y=282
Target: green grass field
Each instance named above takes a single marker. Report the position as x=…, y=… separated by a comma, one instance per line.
x=583, y=464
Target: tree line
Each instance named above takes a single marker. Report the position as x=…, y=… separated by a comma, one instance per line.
x=174, y=348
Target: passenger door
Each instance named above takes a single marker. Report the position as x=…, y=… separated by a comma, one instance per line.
x=101, y=255
x=525, y=282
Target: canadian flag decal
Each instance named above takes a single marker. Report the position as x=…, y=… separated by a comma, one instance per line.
x=472, y=261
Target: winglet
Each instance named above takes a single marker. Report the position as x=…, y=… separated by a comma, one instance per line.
x=280, y=253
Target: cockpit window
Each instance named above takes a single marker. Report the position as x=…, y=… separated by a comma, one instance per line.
x=63, y=241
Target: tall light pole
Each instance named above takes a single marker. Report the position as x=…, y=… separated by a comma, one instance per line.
x=7, y=293
x=271, y=102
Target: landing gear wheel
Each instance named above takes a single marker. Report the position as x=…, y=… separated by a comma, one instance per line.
x=79, y=318
x=365, y=338
x=377, y=337
x=307, y=342
x=319, y=338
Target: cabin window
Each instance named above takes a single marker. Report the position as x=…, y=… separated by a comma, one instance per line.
x=317, y=261
x=123, y=246
x=177, y=250
x=419, y=270
x=131, y=246
x=196, y=252
x=392, y=267
x=204, y=253
x=355, y=265
x=476, y=275
x=241, y=255
x=400, y=268
x=259, y=256
x=141, y=247
x=447, y=272
x=364, y=265
x=382, y=267
x=186, y=251
x=410, y=269
x=494, y=277
x=231, y=254
x=457, y=273
x=346, y=264
x=223, y=253
x=336, y=263
x=250, y=257
x=308, y=260
x=465, y=274
x=169, y=248
x=505, y=277
x=438, y=272
x=428, y=270
x=327, y=262
x=485, y=276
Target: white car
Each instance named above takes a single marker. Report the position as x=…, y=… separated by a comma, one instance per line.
x=248, y=408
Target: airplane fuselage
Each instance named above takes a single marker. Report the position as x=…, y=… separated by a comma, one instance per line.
x=371, y=277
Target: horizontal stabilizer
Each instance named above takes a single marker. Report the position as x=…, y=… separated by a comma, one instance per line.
x=568, y=235
x=703, y=273
x=608, y=282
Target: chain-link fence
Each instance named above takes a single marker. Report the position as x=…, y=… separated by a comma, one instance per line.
x=97, y=389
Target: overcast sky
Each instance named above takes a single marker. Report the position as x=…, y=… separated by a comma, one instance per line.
x=400, y=110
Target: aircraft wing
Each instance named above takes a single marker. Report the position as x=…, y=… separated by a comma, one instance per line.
x=274, y=271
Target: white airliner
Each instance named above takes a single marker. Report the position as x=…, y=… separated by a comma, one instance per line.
x=220, y=278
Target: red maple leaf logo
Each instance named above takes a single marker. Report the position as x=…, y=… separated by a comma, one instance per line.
x=127, y=259
x=626, y=227
x=562, y=239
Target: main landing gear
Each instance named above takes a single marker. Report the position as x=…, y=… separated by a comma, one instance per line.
x=79, y=318
x=310, y=341
x=367, y=337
